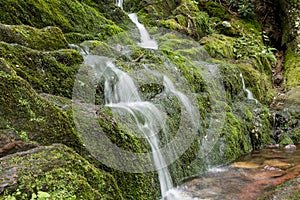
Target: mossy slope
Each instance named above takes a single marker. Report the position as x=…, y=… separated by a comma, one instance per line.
x=49, y=38
x=69, y=15
x=49, y=72
x=56, y=172
x=30, y=117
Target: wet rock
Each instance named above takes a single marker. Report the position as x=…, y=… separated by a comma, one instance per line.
x=290, y=147
x=277, y=164
x=247, y=165
x=56, y=170
x=49, y=38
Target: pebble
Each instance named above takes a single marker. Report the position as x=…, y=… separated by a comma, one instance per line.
x=290, y=147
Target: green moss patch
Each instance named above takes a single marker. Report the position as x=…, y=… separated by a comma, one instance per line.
x=49, y=38
x=48, y=72
x=25, y=112
x=69, y=15
x=55, y=172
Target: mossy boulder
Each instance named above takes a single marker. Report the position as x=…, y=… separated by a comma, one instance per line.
x=49, y=72
x=108, y=124
x=219, y=46
x=183, y=16
x=29, y=117
x=291, y=41
x=216, y=10
x=69, y=15
x=258, y=83
x=49, y=38
x=55, y=172
x=292, y=69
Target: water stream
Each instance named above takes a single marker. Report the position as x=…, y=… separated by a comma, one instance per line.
x=119, y=3
x=249, y=93
x=122, y=94
x=146, y=41
x=252, y=176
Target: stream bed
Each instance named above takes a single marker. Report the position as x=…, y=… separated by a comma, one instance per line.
x=255, y=175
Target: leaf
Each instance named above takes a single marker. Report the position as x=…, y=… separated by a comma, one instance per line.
x=43, y=195
x=33, y=196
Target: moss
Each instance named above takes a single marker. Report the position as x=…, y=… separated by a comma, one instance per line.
x=57, y=171
x=232, y=82
x=183, y=16
x=110, y=10
x=236, y=142
x=48, y=72
x=219, y=46
x=258, y=83
x=23, y=110
x=292, y=69
x=292, y=101
x=49, y=38
x=132, y=185
x=216, y=10
x=108, y=31
x=285, y=139
x=77, y=38
x=70, y=16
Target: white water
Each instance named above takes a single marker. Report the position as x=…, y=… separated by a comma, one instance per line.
x=122, y=94
x=249, y=93
x=146, y=41
x=119, y=3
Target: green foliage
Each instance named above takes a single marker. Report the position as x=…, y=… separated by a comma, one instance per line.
x=244, y=8
x=250, y=46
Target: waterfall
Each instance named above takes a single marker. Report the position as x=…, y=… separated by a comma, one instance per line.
x=249, y=93
x=121, y=94
x=119, y=3
x=146, y=41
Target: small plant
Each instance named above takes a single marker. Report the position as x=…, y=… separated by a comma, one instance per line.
x=250, y=46
x=244, y=8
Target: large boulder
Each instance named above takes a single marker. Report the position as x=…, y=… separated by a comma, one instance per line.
x=55, y=172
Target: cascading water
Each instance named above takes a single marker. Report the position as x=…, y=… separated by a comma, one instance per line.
x=249, y=93
x=121, y=93
x=119, y=3
x=124, y=95
x=146, y=41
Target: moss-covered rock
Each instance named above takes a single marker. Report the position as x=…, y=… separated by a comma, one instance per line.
x=132, y=185
x=291, y=42
x=55, y=172
x=49, y=38
x=69, y=15
x=219, y=46
x=183, y=16
x=30, y=117
x=49, y=72
x=258, y=83
x=77, y=38
x=292, y=69
x=216, y=10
